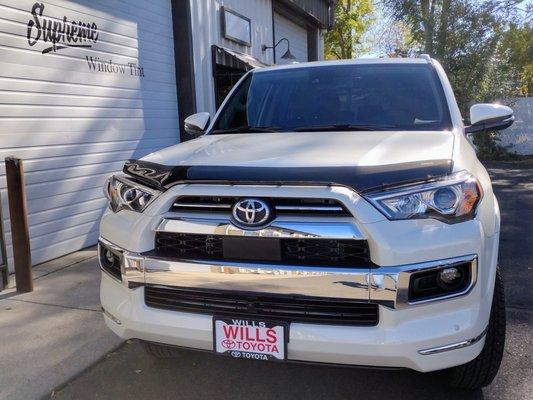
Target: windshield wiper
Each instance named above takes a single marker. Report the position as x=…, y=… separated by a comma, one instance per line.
x=343, y=127
x=246, y=129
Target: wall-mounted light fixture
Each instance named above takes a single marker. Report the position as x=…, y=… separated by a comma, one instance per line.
x=287, y=55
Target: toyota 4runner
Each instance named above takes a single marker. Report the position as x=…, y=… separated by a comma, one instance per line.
x=330, y=212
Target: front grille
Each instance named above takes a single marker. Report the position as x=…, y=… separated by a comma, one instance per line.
x=280, y=205
x=279, y=307
x=305, y=251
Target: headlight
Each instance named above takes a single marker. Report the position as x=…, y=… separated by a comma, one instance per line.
x=125, y=195
x=452, y=199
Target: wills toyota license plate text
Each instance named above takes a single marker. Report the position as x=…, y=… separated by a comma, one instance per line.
x=246, y=338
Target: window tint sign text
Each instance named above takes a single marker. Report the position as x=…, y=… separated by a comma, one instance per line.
x=59, y=34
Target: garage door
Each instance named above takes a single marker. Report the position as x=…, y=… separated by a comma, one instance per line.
x=84, y=85
x=284, y=28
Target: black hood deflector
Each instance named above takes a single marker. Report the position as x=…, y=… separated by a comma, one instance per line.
x=359, y=178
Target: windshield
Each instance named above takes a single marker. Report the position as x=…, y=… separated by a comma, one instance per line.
x=337, y=97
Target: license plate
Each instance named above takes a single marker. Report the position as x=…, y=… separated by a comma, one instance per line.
x=250, y=339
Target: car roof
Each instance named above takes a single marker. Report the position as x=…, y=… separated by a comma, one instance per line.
x=357, y=61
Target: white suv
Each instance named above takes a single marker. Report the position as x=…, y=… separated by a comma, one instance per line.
x=331, y=212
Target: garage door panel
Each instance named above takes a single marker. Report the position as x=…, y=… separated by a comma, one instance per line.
x=20, y=11
x=15, y=23
x=297, y=36
x=81, y=77
x=17, y=125
x=39, y=111
x=12, y=31
x=52, y=188
x=43, y=164
x=92, y=67
x=67, y=173
x=62, y=138
x=68, y=233
x=61, y=223
x=73, y=125
x=18, y=87
x=50, y=99
x=56, y=249
x=67, y=211
x=83, y=149
x=25, y=82
x=36, y=206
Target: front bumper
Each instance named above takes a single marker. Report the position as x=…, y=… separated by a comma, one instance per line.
x=388, y=286
x=423, y=336
x=395, y=342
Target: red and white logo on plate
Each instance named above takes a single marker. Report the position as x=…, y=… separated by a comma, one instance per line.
x=242, y=338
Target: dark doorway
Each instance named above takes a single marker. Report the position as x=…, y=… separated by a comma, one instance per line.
x=225, y=79
x=228, y=67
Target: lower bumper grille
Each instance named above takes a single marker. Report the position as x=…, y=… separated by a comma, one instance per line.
x=288, y=308
x=298, y=251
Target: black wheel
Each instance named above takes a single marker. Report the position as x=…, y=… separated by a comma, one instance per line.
x=481, y=370
x=160, y=350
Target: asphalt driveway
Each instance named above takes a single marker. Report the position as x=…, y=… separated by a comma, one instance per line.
x=129, y=373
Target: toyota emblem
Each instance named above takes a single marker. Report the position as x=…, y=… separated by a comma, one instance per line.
x=251, y=213
x=228, y=343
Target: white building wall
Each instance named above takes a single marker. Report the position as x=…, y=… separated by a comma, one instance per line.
x=297, y=36
x=206, y=28
x=519, y=137
x=73, y=126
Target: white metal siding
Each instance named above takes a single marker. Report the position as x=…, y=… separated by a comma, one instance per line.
x=73, y=126
x=284, y=28
x=205, y=16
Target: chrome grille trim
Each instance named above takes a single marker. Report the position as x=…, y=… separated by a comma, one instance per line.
x=281, y=229
x=284, y=205
x=311, y=208
x=386, y=286
x=194, y=205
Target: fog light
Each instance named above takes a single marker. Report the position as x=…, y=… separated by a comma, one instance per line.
x=110, y=260
x=449, y=278
x=109, y=256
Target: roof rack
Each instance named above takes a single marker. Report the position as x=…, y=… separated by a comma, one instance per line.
x=425, y=57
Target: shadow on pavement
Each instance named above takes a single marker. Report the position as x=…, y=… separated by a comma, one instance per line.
x=206, y=376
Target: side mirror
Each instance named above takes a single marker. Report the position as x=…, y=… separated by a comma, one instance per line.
x=196, y=124
x=489, y=117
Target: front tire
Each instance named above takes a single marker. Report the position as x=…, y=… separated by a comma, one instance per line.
x=482, y=370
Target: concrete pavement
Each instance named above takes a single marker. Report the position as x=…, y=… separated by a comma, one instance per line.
x=51, y=335
x=131, y=374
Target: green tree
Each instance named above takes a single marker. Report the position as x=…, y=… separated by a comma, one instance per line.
x=510, y=70
x=352, y=20
x=462, y=34
x=516, y=52
x=484, y=48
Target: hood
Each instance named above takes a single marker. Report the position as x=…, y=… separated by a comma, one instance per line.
x=309, y=149
x=360, y=160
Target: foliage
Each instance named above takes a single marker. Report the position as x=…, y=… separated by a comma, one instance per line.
x=483, y=45
x=352, y=19
x=516, y=50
